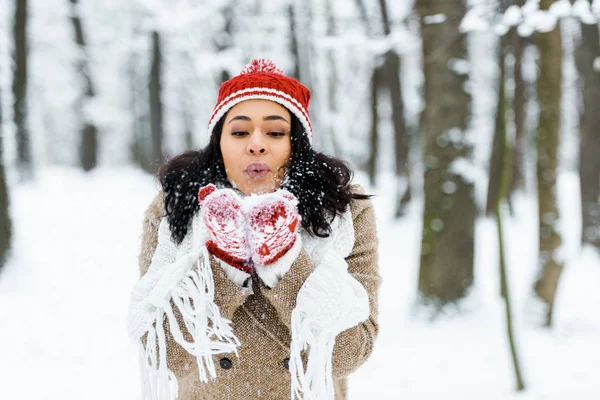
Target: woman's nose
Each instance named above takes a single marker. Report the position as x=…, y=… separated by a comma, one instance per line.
x=256, y=149
x=256, y=145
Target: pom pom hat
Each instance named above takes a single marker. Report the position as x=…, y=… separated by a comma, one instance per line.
x=261, y=79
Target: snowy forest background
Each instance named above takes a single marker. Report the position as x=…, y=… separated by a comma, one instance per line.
x=474, y=123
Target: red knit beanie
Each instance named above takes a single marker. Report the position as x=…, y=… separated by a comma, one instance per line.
x=261, y=79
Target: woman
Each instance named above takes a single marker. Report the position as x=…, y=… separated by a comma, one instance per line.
x=259, y=259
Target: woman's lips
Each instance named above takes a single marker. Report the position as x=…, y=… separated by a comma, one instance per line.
x=257, y=170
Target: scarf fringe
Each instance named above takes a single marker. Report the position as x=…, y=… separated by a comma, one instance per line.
x=316, y=383
x=211, y=333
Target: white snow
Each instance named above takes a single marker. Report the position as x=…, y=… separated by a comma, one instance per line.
x=582, y=10
x=512, y=16
x=561, y=8
x=474, y=21
x=434, y=19
x=597, y=64
x=542, y=21
x=65, y=291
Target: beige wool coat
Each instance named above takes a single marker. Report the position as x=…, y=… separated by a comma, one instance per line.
x=261, y=319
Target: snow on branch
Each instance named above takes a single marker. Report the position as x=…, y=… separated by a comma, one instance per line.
x=528, y=18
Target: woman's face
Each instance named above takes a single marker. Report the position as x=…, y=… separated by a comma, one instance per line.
x=256, y=144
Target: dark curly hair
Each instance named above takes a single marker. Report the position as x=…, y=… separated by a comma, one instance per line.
x=320, y=183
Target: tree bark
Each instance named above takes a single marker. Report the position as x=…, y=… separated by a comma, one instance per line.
x=88, y=149
x=141, y=145
x=332, y=92
x=504, y=171
x=520, y=112
x=589, y=160
x=371, y=166
x=497, y=154
x=549, y=98
x=371, y=163
x=19, y=89
x=224, y=40
x=156, y=106
x=391, y=79
x=391, y=74
x=447, y=249
x=294, y=42
x=5, y=223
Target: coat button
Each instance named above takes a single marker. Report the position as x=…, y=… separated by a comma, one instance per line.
x=286, y=363
x=225, y=363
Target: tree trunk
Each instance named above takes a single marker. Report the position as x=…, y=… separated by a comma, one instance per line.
x=294, y=42
x=391, y=79
x=589, y=160
x=141, y=146
x=332, y=82
x=371, y=163
x=19, y=88
x=446, y=270
x=520, y=112
x=223, y=40
x=371, y=166
x=156, y=107
x=549, y=98
x=5, y=224
x=504, y=170
x=497, y=155
x=88, y=149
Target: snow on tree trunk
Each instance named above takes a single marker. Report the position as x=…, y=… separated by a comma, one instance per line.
x=549, y=82
x=447, y=249
x=19, y=88
x=88, y=149
x=588, y=60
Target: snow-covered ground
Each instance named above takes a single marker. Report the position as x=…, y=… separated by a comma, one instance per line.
x=65, y=291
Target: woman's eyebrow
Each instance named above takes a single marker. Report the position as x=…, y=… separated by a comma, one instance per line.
x=275, y=117
x=239, y=117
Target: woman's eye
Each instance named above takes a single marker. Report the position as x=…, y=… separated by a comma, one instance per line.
x=238, y=133
x=277, y=134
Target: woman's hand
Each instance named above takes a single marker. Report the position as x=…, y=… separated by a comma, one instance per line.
x=273, y=225
x=222, y=213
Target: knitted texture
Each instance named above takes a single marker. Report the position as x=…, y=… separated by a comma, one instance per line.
x=272, y=226
x=262, y=318
x=329, y=302
x=261, y=79
x=221, y=211
x=179, y=281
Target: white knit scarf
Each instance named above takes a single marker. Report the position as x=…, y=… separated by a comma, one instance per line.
x=180, y=278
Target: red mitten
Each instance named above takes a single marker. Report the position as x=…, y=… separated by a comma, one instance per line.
x=222, y=214
x=273, y=226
